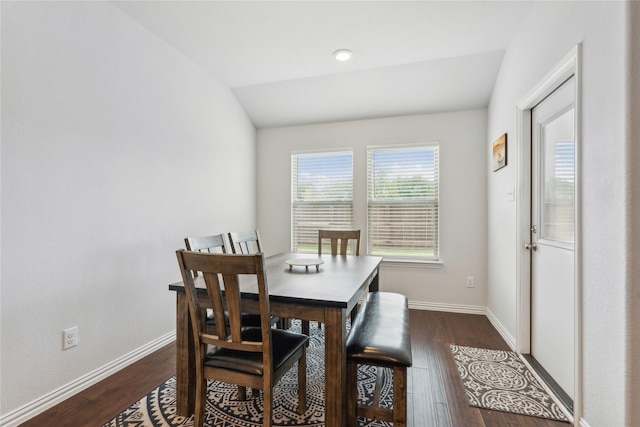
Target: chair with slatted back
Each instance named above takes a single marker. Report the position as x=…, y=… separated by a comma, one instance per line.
x=209, y=244
x=217, y=244
x=256, y=357
x=338, y=239
x=341, y=239
x=246, y=242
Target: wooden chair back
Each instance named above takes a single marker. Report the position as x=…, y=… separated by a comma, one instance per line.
x=246, y=242
x=220, y=272
x=232, y=353
x=343, y=237
x=208, y=244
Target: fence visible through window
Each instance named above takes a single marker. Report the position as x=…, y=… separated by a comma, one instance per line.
x=403, y=207
x=321, y=196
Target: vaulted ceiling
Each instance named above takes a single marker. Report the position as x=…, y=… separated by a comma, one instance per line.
x=276, y=56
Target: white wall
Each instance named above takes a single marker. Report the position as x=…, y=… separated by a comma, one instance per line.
x=548, y=34
x=114, y=148
x=463, y=163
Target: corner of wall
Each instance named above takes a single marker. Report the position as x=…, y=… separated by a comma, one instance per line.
x=502, y=330
x=632, y=92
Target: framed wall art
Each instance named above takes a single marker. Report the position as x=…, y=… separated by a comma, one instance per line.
x=499, y=153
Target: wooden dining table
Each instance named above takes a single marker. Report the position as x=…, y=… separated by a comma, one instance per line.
x=326, y=295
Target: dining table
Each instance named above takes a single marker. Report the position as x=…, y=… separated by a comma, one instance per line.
x=326, y=294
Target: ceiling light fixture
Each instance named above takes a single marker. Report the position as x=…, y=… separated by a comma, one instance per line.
x=342, y=54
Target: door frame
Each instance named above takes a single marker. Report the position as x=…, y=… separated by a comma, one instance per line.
x=569, y=66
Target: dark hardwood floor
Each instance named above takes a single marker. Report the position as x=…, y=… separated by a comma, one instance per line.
x=101, y=402
x=435, y=393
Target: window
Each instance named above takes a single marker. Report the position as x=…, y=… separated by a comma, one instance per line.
x=559, y=190
x=402, y=202
x=321, y=196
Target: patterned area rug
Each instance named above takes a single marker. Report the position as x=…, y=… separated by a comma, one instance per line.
x=158, y=408
x=499, y=380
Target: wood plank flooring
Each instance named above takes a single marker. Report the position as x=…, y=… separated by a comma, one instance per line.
x=435, y=394
x=101, y=402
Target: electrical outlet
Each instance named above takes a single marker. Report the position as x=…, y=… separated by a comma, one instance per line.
x=69, y=338
x=470, y=282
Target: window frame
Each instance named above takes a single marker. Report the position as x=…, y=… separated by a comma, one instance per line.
x=294, y=201
x=434, y=204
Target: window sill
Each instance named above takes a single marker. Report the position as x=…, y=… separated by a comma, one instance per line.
x=411, y=263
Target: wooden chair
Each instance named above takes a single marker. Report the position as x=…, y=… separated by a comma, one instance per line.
x=255, y=357
x=339, y=236
x=209, y=244
x=336, y=236
x=217, y=244
x=247, y=242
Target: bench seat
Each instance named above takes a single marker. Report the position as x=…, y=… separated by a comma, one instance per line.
x=380, y=336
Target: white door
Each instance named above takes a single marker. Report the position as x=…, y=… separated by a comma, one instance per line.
x=552, y=235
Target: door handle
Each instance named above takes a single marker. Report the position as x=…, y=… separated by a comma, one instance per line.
x=531, y=246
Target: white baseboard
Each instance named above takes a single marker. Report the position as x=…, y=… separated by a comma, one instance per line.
x=504, y=333
x=452, y=308
x=37, y=406
x=467, y=309
x=583, y=423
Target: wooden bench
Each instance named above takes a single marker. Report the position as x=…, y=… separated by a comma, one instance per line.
x=380, y=337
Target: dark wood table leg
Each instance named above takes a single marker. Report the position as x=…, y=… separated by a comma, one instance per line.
x=185, y=360
x=374, y=286
x=335, y=363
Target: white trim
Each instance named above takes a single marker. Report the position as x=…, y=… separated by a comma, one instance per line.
x=467, y=309
x=403, y=145
x=584, y=423
x=405, y=263
x=570, y=65
x=577, y=403
x=523, y=209
x=544, y=385
x=565, y=69
x=41, y=404
x=323, y=151
x=451, y=308
x=502, y=330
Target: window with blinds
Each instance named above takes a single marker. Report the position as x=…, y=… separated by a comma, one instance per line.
x=559, y=191
x=402, y=202
x=321, y=196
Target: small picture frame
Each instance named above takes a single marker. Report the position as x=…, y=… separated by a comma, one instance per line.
x=499, y=147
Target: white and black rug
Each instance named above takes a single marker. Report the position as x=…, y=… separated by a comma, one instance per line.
x=158, y=408
x=499, y=380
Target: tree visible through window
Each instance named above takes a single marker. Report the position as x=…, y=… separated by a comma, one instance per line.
x=321, y=196
x=403, y=202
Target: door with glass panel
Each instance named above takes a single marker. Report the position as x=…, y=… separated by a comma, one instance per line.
x=552, y=235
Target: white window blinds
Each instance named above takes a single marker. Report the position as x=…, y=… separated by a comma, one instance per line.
x=321, y=196
x=559, y=190
x=403, y=202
